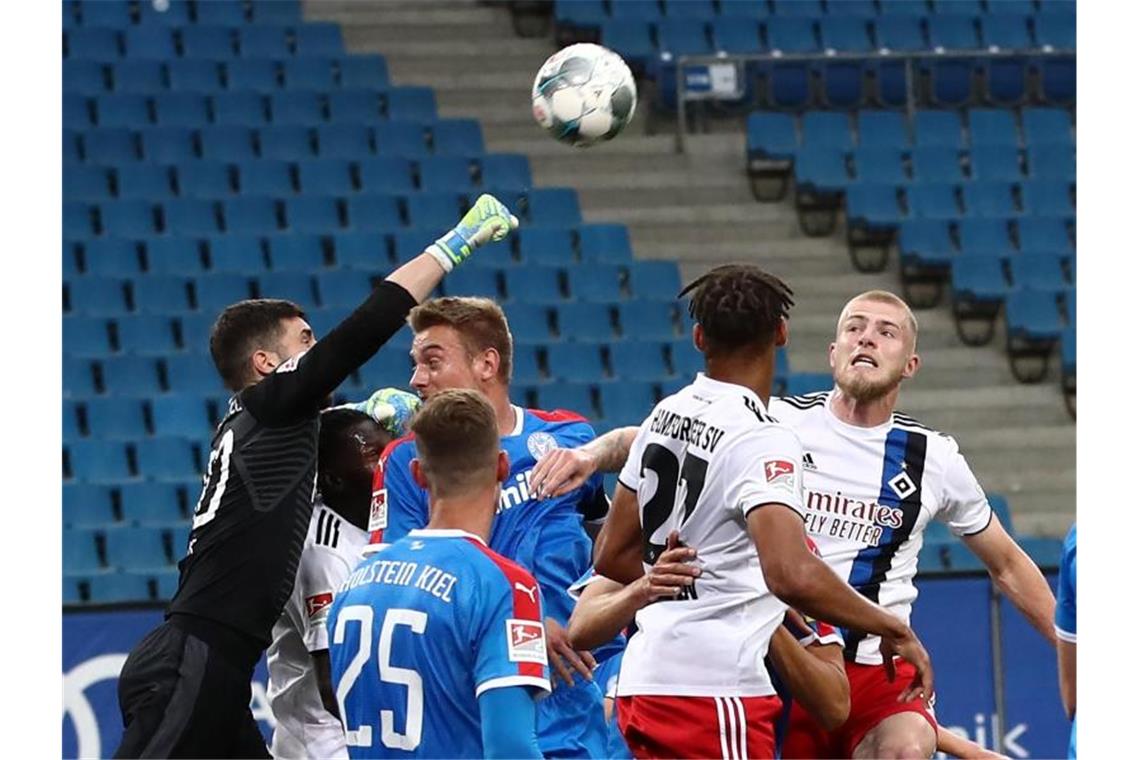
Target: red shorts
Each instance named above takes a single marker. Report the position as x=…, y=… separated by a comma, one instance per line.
x=725, y=727
x=873, y=698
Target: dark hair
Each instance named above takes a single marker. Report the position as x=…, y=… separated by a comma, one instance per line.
x=480, y=323
x=335, y=426
x=457, y=440
x=738, y=306
x=243, y=328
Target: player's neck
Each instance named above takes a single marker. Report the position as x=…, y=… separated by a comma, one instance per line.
x=864, y=413
x=500, y=399
x=752, y=374
x=470, y=513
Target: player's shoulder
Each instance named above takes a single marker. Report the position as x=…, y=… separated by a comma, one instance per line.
x=745, y=418
x=324, y=528
x=500, y=569
x=944, y=441
x=402, y=447
x=790, y=408
x=561, y=423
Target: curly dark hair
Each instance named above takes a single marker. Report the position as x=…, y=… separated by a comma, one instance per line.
x=738, y=306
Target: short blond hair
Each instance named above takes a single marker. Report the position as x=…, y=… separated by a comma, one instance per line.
x=884, y=296
x=480, y=322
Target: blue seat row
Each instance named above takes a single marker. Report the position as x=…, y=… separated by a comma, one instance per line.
x=113, y=587
x=217, y=42
x=93, y=551
x=143, y=503
x=249, y=108
x=145, y=76
x=884, y=203
x=937, y=242
x=124, y=13
x=160, y=459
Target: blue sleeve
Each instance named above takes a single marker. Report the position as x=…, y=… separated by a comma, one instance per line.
x=561, y=554
x=509, y=718
x=508, y=634
x=1065, y=618
x=407, y=502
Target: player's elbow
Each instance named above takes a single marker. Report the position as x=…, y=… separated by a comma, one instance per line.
x=790, y=581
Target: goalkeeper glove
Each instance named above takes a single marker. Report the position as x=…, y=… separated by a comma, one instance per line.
x=391, y=408
x=488, y=220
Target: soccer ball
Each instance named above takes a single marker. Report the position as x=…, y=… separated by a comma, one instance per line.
x=584, y=94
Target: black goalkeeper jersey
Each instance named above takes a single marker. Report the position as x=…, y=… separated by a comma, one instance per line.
x=257, y=496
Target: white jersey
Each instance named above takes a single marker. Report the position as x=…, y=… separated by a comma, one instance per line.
x=869, y=493
x=304, y=728
x=700, y=463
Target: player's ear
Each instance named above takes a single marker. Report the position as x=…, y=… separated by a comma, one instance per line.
x=699, y=338
x=910, y=369
x=264, y=362
x=782, y=333
x=831, y=355
x=488, y=365
x=418, y=474
x=503, y=467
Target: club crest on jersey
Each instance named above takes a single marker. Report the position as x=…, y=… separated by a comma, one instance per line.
x=378, y=510
x=540, y=444
x=902, y=485
x=314, y=604
x=526, y=641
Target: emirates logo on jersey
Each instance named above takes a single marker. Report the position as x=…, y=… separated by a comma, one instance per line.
x=526, y=641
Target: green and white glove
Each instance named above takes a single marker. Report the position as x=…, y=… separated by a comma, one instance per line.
x=488, y=220
x=391, y=408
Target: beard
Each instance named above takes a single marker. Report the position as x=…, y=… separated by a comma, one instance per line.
x=865, y=389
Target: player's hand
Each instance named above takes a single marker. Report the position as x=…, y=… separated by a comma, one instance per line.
x=907, y=646
x=561, y=471
x=392, y=409
x=488, y=220
x=673, y=571
x=563, y=657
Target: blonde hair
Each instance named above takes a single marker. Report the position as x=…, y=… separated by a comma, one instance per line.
x=884, y=296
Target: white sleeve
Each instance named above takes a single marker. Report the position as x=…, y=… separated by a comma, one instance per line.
x=964, y=507
x=630, y=475
x=321, y=573
x=764, y=466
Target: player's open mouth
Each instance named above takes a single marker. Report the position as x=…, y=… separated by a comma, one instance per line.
x=862, y=360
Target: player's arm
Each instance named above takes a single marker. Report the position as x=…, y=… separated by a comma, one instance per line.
x=1067, y=675
x=805, y=582
x=618, y=550
x=291, y=393
x=508, y=718
x=324, y=681
x=1065, y=624
x=959, y=746
x=1015, y=575
x=815, y=676
x=562, y=470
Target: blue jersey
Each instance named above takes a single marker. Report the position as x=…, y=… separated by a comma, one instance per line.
x=1065, y=617
x=419, y=631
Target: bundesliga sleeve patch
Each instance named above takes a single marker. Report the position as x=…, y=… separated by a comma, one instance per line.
x=780, y=473
x=315, y=604
x=526, y=641
x=378, y=511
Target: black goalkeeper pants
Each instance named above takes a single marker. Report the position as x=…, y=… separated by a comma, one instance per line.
x=179, y=698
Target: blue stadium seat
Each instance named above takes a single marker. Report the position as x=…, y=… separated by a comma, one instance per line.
x=204, y=179
x=958, y=7
x=1044, y=126
x=821, y=170
x=772, y=135
x=809, y=9
x=879, y=165
x=682, y=36
x=1059, y=81
x=530, y=323
x=127, y=218
x=114, y=14
x=525, y=370
x=136, y=549
x=573, y=397
x=638, y=360
x=933, y=201
x=87, y=506
x=227, y=143
x=265, y=42
x=995, y=162
x=364, y=70
x=152, y=504
x=881, y=129
x=1045, y=197
x=534, y=285
x=548, y=246
x=109, y=146
x=700, y=10
x=70, y=419
x=654, y=280
x=989, y=236
x=604, y=243
x=79, y=552
x=343, y=287
x=789, y=85
x=553, y=207
x=69, y=259
x=991, y=126
x=352, y=141
x=145, y=336
x=842, y=84
x=381, y=213
x=111, y=257
x=988, y=199
x=93, y=44
x=598, y=283
x=130, y=376
x=828, y=130
x=457, y=137
x=955, y=32
x=190, y=217
x=192, y=373
x=242, y=108
x=192, y=75
x=268, y=177
x=585, y=322
x=324, y=320
x=166, y=583
x=411, y=104
x=736, y=35
x=354, y=106
x=631, y=39
x=116, y=419
x=96, y=297
x=238, y=254
x=873, y=206
x=252, y=75
x=361, y=250
x=86, y=183
x=1006, y=83
x=137, y=77
x=1036, y=234
x=506, y=170
x=70, y=147
x=77, y=110
x=391, y=366
x=324, y=177
x=168, y=459
x=1055, y=30
x=589, y=14
x=167, y=145
x=685, y=359
x=433, y=211
x=296, y=108
x=78, y=378
x=978, y=278
x=857, y=9
x=318, y=39
x=214, y=292
x=899, y=33
x=400, y=138
x=936, y=164
x=1006, y=31
x=187, y=109
x=296, y=253
x=952, y=82
x=440, y=173
x=1033, y=315
x=1055, y=161
x=646, y=10
x=98, y=462
x=221, y=13
x=144, y=182
x=250, y=215
x=791, y=35
x=290, y=286
x=87, y=337
x=215, y=43
x=473, y=281
x=942, y=128
x=846, y=35
x=156, y=294
x=119, y=110
x=175, y=13
x=180, y=416
x=574, y=362
x=626, y=402
x=1042, y=272
x=150, y=43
